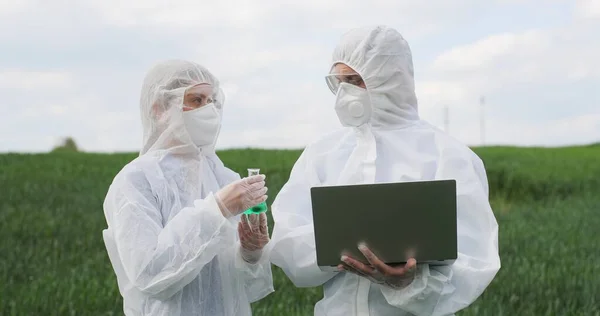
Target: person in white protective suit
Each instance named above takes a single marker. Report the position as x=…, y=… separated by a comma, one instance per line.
x=175, y=236
x=384, y=140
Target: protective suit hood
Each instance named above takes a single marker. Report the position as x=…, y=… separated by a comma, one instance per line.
x=384, y=60
x=161, y=106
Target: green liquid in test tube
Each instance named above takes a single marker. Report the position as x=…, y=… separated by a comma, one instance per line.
x=260, y=208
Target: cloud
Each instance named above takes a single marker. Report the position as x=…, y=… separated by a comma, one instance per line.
x=238, y=60
x=77, y=71
x=485, y=66
x=584, y=128
x=588, y=9
x=31, y=80
x=186, y=13
x=491, y=51
x=509, y=63
x=286, y=115
x=11, y=7
x=533, y=56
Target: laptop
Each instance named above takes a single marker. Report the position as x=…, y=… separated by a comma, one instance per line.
x=398, y=221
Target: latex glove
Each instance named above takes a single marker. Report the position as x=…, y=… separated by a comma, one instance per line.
x=254, y=236
x=396, y=277
x=241, y=195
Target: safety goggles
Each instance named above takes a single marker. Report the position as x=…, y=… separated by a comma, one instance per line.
x=334, y=80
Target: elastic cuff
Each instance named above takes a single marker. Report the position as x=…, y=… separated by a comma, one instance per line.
x=251, y=256
x=222, y=208
x=401, y=285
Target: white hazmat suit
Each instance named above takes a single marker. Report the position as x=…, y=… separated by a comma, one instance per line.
x=385, y=141
x=172, y=249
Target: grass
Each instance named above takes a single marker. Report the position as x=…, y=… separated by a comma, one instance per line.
x=53, y=261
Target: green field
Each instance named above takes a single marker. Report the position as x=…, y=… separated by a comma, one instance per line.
x=53, y=262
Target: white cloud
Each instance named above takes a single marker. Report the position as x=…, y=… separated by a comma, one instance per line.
x=289, y=115
x=501, y=63
x=77, y=72
x=438, y=91
x=588, y=9
x=492, y=50
x=36, y=80
x=250, y=54
x=414, y=19
x=577, y=129
x=584, y=128
x=16, y=6
x=525, y=57
x=181, y=13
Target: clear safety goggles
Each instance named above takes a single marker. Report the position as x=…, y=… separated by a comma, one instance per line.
x=335, y=79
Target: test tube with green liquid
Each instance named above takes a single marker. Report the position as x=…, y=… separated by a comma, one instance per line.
x=262, y=207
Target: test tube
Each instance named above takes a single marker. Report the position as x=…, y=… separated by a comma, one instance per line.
x=251, y=172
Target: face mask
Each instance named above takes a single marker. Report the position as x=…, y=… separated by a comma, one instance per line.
x=353, y=105
x=203, y=124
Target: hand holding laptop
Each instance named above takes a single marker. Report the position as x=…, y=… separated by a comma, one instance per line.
x=397, y=277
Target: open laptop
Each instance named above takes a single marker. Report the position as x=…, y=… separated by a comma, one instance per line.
x=398, y=221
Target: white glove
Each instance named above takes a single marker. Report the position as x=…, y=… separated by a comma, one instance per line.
x=254, y=235
x=241, y=195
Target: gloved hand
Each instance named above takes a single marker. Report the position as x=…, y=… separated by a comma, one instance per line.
x=254, y=235
x=396, y=277
x=240, y=195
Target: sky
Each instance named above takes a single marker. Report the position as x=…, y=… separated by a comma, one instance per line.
x=75, y=68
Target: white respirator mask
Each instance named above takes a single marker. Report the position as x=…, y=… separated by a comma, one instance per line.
x=203, y=124
x=353, y=105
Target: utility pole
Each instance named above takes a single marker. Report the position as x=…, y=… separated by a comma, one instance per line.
x=447, y=119
x=482, y=119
